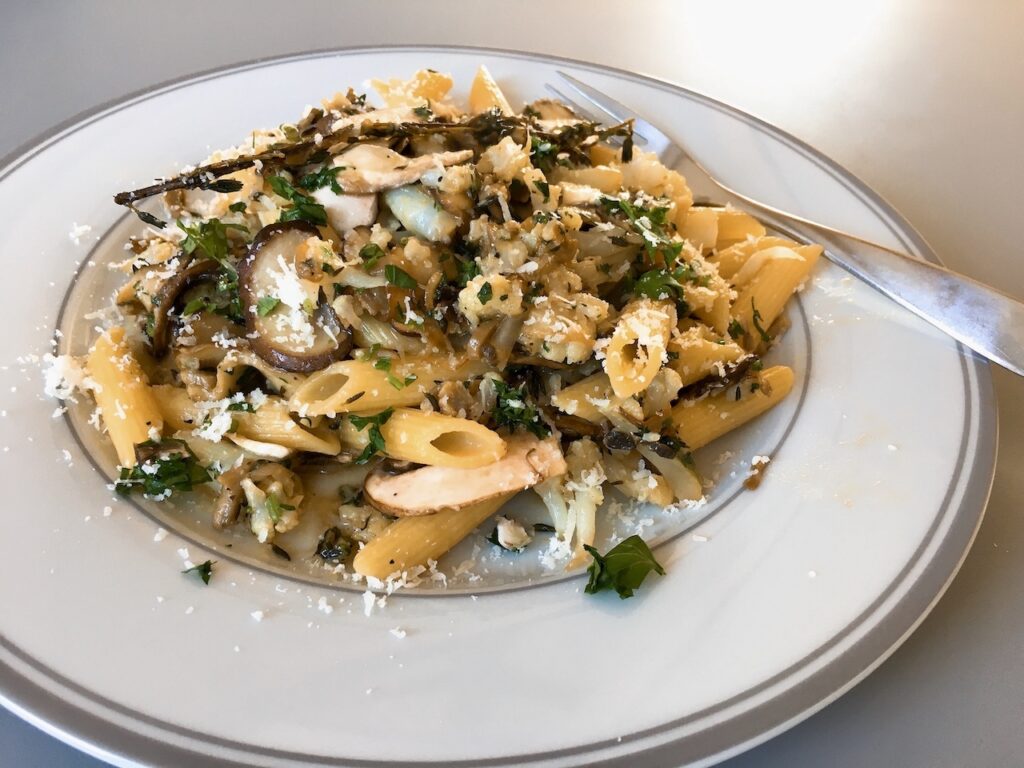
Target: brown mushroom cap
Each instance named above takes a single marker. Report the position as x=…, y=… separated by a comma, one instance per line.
x=169, y=296
x=274, y=240
x=424, y=491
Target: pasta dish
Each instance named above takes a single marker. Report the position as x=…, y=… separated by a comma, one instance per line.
x=401, y=316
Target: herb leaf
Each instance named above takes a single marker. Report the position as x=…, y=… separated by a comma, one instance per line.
x=171, y=466
x=399, y=277
x=210, y=237
x=736, y=331
x=485, y=293
x=371, y=253
x=513, y=410
x=325, y=177
x=375, y=422
x=266, y=305
x=203, y=570
x=756, y=319
x=304, y=207
x=623, y=569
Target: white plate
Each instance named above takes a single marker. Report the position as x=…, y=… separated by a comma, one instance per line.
x=775, y=602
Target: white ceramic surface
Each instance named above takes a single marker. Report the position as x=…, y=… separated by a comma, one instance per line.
x=799, y=589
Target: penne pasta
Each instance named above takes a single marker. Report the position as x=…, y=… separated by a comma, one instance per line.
x=361, y=385
x=695, y=354
x=639, y=345
x=699, y=422
x=412, y=541
x=432, y=438
x=767, y=292
x=130, y=412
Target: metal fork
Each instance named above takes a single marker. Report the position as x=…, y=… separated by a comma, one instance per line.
x=986, y=320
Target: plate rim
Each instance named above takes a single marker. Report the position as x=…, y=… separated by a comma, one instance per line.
x=104, y=738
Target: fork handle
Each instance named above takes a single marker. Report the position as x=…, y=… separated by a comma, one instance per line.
x=984, y=319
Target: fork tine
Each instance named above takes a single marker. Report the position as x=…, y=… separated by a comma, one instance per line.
x=577, y=107
x=586, y=112
x=616, y=109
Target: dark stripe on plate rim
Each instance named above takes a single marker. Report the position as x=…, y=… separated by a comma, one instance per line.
x=743, y=729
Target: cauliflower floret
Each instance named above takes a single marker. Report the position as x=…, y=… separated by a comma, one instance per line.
x=268, y=514
x=503, y=296
x=456, y=179
x=562, y=328
x=506, y=159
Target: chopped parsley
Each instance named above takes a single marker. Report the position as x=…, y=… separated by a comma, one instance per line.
x=384, y=364
x=665, y=284
x=266, y=305
x=238, y=207
x=736, y=331
x=333, y=547
x=371, y=253
x=468, y=269
x=325, y=177
x=544, y=188
x=220, y=297
x=169, y=466
x=399, y=277
x=756, y=319
x=211, y=238
x=304, y=207
x=203, y=570
x=485, y=293
x=275, y=507
x=375, y=422
x=513, y=410
x=650, y=224
x=623, y=569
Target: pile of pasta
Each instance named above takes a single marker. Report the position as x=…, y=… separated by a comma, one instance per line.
x=395, y=318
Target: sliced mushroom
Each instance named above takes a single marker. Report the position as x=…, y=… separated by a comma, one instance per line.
x=170, y=294
x=229, y=502
x=424, y=491
x=372, y=168
x=274, y=335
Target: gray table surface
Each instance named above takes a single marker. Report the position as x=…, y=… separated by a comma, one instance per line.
x=924, y=100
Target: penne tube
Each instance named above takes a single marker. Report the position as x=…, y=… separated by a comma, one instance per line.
x=130, y=412
x=484, y=94
x=178, y=410
x=272, y=423
x=699, y=422
x=359, y=385
x=730, y=260
x=697, y=355
x=586, y=398
x=768, y=291
x=431, y=438
x=639, y=345
x=412, y=541
x=736, y=226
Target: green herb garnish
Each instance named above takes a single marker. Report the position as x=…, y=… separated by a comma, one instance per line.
x=756, y=319
x=736, y=331
x=399, y=277
x=211, y=238
x=371, y=253
x=544, y=188
x=375, y=422
x=325, y=177
x=485, y=293
x=238, y=207
x=650, y=224
x=170, y=466
x=204, y=570
x=514, y=410
x=266, y=305
x=623, y=569
x=304, y=207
